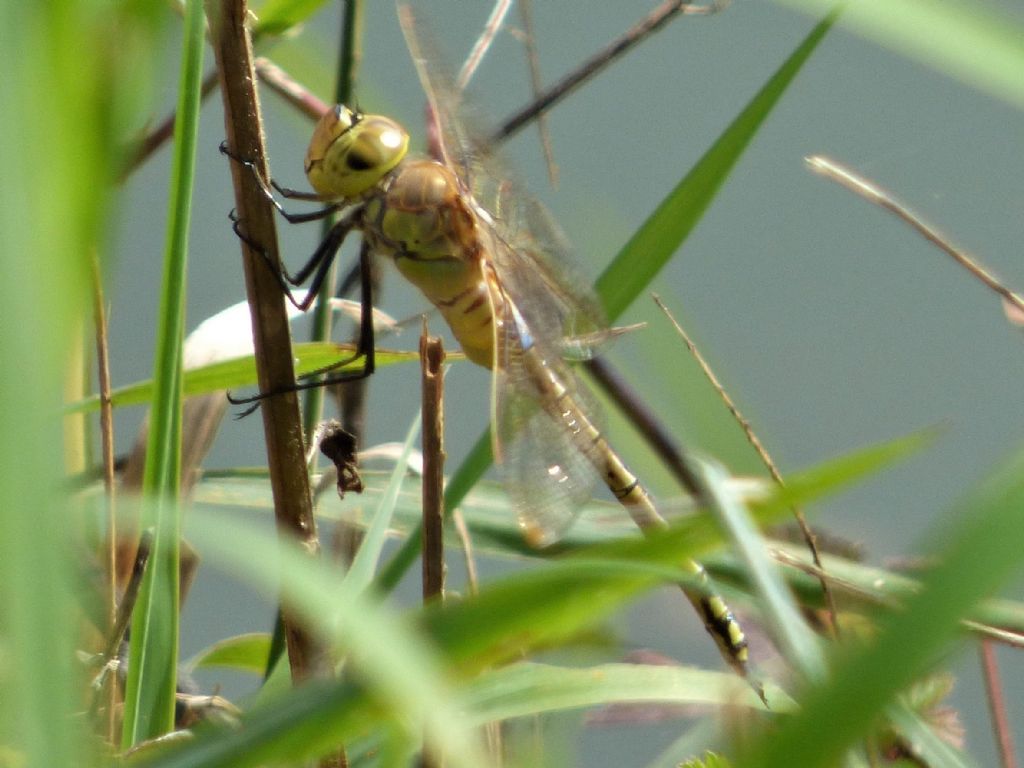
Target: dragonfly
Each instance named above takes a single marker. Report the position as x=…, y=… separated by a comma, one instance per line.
x=495, y=265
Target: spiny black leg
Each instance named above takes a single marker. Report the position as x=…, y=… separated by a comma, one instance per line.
x=318, y=263
x=367, y=343
x=365, y=348
x=236, y=225
x=324, y=253
x=292, y=218
x=351, y=279
x=340, y=378
x=296, y=194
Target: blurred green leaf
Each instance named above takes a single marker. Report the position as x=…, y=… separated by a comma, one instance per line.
x=975, y=558
x=241, y=372
x=382, y=651
x=275, y=17
x=525, y=689
x=972, y=42
x=150, y=688
x=245, y=653
x=364, y=565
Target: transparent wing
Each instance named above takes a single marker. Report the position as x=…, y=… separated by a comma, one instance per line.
x=533, y=258
x=450, y=141
x=542, y=307
x=546, y=472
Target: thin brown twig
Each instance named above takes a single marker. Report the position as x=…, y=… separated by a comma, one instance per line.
x=636, y=34
x=533, y=61
x=483, y=43
x=994, y=634
x=880, y=197
x=432, y=383
x=762, y=452
x=107, y=443
x=284, y=86
x=997, y=705
x=271, y=335
x=671, y=452
x=872, y=596
x=156, y=138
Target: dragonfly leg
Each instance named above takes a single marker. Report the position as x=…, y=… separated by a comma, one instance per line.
x=279, y=273
x=291, y=194
x=318, y=265
x=365, y=344
x=365, y=349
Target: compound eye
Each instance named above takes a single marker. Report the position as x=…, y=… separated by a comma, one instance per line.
x=350, y=153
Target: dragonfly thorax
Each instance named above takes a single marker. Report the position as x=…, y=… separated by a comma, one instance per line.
x=423, y=218
x=420, y=213
x=350, y=153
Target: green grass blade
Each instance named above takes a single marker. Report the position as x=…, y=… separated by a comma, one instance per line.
x=246, y=653
x=152, y=674
x=925, y=742
x=496, y=532
x=530, y=609
x=651, y=247
x=241, y=372
x=551, y=604
x=796, y=640
x=275, y=17
x=300, y=723
x=383, y=652
x=54, y=141
x=982, y=553
x=349, y=56
x=525, y=689
x=360, y=575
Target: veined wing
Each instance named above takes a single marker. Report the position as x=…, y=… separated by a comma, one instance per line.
x=536, y=268
x=450, y=142
x=541, y=417
x=530, y=253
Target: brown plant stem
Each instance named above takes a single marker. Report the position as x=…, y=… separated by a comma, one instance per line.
x=271, y=336
x=431, y=369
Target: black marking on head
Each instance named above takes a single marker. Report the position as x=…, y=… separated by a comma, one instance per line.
x=357, y=161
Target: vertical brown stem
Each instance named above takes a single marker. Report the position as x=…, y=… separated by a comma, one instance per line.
x=271, y=336
x=107, y=438
x=997, y=705
x=431, y=361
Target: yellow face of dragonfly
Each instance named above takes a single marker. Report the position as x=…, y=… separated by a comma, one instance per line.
x=350, y=152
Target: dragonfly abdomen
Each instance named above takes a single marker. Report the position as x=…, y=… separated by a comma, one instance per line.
x=629, y=491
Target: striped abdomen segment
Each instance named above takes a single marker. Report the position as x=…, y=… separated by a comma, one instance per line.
x=626, y=487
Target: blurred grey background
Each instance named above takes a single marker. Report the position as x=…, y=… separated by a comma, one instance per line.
x=831, y=324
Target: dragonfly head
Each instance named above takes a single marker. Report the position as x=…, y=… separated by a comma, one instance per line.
x=351, y=152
